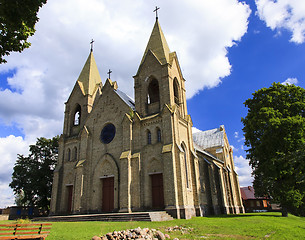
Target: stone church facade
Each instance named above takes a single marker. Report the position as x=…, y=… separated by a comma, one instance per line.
x=117, y=154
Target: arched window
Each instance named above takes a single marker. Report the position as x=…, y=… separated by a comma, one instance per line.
x=77, y=115
x=69, y=155
x=176, y=91
x=75, y=154
x=186, y=167
x=153, y=92
x=148, y=137
x=158, y=135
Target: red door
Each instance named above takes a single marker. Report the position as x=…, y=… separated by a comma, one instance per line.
x=70, y=198
x=157, y=191
x=108, y=194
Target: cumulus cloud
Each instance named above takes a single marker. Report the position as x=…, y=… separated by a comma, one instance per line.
x=9, y=148
x=290, y=81
x=243, y=170
x=284, y=14
x=46, y=72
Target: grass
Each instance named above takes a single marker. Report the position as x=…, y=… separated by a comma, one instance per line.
x=246, y=226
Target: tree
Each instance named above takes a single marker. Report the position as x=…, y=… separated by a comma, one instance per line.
x=17, y=24
x=33, y=174
x=274, y=131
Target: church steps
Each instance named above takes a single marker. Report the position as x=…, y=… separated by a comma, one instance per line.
x=110, y=217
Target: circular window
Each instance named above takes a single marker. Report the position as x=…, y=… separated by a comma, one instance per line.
x=108, y=133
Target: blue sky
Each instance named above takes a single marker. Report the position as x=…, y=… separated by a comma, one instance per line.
x=227, y=49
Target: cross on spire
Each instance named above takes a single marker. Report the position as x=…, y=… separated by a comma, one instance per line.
x=91, y=43
x=156, y=10
x=109, y=72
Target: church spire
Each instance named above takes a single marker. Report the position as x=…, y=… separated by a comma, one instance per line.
x=157, y=45
x=89, y=78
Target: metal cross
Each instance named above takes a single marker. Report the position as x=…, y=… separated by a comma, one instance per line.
x=156, y=10
x=109, y=72
x=92, y=41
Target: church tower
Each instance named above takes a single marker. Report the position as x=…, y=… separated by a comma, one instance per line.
x=67, y=180
x=160, y=103
x=159, y=80
x=81, y=99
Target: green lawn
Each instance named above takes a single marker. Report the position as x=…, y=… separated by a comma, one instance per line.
x=246, y=226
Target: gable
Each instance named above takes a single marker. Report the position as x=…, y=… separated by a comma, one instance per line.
x=111, y=105
x=75, y=94
x=149, y=60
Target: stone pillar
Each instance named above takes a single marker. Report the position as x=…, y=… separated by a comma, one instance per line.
x=224, y=192
x=170, y=181
x=135, y=179
x=125, y=166
x=196, y=184
x=78, y=190
x=125, y=172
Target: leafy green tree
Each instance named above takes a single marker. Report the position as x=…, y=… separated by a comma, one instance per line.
x=274, y=131
x=17, y=24
x=33, y=174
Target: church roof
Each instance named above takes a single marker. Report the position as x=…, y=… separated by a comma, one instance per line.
x=128, y=100
x=158, y=45
x=89, y=78
x=249, y=193
x=210, y=138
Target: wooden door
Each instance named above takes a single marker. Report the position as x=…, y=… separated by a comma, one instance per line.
x=70, y=198
x=108, y=194
x=157, y=191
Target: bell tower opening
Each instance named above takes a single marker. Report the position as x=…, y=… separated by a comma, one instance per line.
x=77, y=115
x=153, y=97
x=153, y=92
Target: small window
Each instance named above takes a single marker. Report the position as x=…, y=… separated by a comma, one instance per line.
x=75, y=154
x=176, y=91
x=148, y=137
x=158, y=135
x=69, y=155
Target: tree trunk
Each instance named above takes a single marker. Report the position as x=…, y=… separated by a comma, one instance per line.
x=284, y=212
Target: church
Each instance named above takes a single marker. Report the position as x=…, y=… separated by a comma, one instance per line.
x=118, y=154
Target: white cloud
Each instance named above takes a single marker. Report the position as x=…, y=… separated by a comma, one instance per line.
x=284, y=14
x=199, y=31
x=243, y=170
x=9, y=148
x=236, y=134
x=290, y=81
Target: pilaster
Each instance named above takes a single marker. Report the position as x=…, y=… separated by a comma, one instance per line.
x=125, y=179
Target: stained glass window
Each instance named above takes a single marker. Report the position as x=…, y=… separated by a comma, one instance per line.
x=108, y=133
